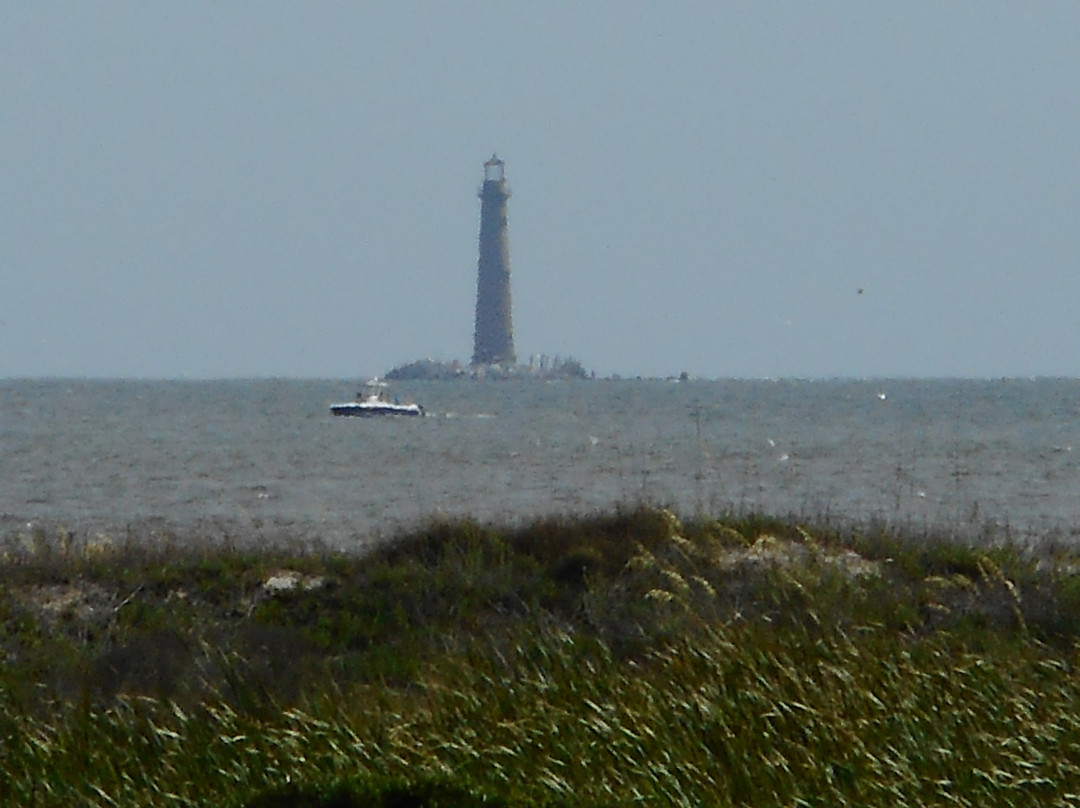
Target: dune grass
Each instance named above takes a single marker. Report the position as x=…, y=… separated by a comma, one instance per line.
x=625, y=658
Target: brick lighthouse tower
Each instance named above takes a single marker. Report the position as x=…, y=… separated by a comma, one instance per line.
x=493, y=339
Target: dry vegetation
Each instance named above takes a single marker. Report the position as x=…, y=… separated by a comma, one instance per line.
x=620, y=659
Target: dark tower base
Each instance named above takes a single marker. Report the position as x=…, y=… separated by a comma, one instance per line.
x=493, y=339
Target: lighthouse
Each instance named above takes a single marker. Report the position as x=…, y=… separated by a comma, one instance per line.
x=493, y=339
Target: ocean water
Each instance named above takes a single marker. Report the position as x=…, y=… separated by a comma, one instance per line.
x=263, y=460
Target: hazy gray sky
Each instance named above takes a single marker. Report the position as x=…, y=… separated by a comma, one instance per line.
x=289, y=189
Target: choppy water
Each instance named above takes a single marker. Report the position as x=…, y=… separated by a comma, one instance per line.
x=264, y=458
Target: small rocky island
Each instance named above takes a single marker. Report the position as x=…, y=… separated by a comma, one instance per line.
x=543, y=368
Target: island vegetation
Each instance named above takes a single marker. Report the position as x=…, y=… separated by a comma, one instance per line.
x=613, y=659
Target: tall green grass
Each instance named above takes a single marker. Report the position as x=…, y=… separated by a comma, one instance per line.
x=613, y=660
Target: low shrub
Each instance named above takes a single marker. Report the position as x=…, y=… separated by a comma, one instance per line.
x=610, y=660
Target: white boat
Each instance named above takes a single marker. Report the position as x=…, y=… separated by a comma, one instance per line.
x=372, y=401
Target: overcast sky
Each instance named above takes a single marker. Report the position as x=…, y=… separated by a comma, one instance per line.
x=289, y=189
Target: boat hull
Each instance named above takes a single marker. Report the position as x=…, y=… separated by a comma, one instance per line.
x=366, y=410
